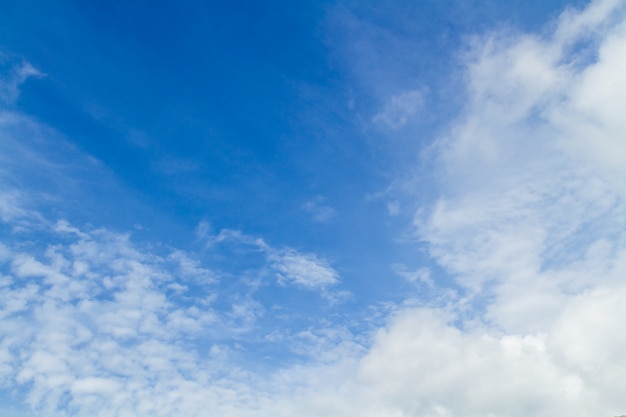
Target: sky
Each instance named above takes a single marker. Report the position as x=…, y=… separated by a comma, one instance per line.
x=314, y=208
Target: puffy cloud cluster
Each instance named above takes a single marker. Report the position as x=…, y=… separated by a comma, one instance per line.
x=531, y=223
x=95, y=325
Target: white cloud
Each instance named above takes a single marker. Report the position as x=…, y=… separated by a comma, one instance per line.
x=236, y=237
x=191, y=268
x=93, y=324
x=104, y=338
x=393, y=208
x=18, y=73
x=530, y=223
x=424, y=365
x=524, y=201
x=421, y=275
x=110, y=338
x=399, y=109
x=99, y=325
x=305, y=270
x=321, y=212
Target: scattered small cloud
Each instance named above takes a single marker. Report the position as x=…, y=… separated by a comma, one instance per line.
x=399, y=109
x=305, y=270
x=18, y=73
x=292, y=267
x=415, y=277
x=191, y=268
x=393, y=208
x=320, y=211
x=203, y=230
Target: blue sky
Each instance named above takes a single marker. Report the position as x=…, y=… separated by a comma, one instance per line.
x=312, y=208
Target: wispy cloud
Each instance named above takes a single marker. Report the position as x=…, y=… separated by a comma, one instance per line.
x=320, y=211
x=15, y=76
x=419, y=276
x=305, y=270
x=399, y=109
x=291, y=267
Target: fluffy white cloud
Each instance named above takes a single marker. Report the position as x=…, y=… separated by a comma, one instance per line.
x=94, y=324
x=531, y=224
x=90, y=326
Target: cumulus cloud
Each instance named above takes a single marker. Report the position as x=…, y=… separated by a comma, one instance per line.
x=530, y=223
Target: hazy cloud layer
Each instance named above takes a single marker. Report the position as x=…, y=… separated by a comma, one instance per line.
x=400, y=109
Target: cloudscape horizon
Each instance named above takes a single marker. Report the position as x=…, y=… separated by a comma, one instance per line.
x=330, y=208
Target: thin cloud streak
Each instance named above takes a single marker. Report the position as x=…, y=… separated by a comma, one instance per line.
x=291, y=267
x=400, y=109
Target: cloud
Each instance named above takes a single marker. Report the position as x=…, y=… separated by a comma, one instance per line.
x=292, y=267
x=191, y=268
x=419, y=276
x=321, y=212
x=90, y=325
x=529, y=223
x=526, y=199
x=94, y=324
x=305, y=270
x=393, y=208
x=424, y=365
x=399, y=109
x=16, y=75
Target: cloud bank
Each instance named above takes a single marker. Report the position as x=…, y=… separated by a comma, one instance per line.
x=530, y=222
